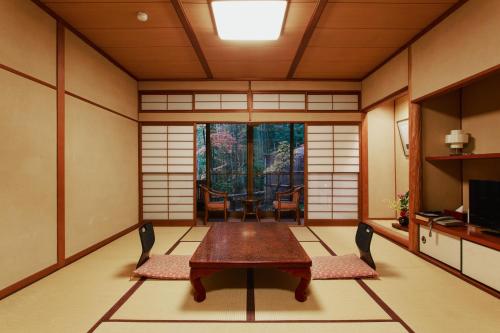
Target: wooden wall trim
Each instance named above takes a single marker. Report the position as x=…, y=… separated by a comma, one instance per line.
x=394, y=95
x=28, y=280
x=389, y=235
x=68, y=26
x=311, y=26
x=26, y=76
x=98, y=245
x=61, y=211
x=179, y=9
x=438, y=20
x=100, y=106
x=459, y=84
x=60, y=149
x=331, y=223
x=53, y=268
x=174, y=223
x=247, y=79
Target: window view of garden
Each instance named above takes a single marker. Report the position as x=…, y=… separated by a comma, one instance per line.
x=278, y=160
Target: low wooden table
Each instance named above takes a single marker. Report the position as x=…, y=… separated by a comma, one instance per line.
x=250, y=245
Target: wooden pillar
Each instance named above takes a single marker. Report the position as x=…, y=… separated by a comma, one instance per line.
x=208, y=156
x=250, y=161
x=292, y=164
x=364, y=169
x=60, y=119
x=415, y=119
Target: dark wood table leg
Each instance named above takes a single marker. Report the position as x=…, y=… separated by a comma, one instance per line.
x=195, y=276
x=305, y=278
x=199, y=291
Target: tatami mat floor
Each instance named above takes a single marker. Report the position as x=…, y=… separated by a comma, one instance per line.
x=96, y=292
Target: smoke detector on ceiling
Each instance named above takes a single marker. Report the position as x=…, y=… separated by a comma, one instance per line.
x=142, y=17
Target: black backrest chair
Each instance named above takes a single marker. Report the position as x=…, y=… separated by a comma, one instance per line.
x=364, y=236
x=147, y=235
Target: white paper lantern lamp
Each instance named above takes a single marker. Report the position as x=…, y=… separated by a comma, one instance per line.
x=457, y=139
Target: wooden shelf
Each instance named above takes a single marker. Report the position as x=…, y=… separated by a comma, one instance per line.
x=463, y=157
x=467, y=232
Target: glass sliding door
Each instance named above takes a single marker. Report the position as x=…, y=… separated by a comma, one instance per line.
x=275, y=153
x=228, y=158
x=278, y=160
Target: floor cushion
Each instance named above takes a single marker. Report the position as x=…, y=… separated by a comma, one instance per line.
x=165, y=267
x=347, y=266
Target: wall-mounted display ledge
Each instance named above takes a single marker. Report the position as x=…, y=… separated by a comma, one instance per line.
x=463, y=157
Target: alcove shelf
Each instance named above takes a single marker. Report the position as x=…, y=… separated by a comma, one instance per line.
x=463, y=157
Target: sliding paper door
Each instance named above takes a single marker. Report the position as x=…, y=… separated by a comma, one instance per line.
x=333, y=172
x=167, y=172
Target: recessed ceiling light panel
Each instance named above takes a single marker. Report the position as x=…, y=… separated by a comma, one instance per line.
x=249, y=20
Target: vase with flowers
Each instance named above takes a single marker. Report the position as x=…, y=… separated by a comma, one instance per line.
x=401, y=205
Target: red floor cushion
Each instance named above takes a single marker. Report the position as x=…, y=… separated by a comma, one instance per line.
x=347, y=266
x=165, y=267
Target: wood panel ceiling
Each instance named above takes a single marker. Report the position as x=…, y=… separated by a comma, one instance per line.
x=334, y=39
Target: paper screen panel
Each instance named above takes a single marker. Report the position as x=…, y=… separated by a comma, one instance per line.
x=166, y=102
x=168, y=172
x=221, y=101
x=333, y=166
x=332, y=102
x=279, y=101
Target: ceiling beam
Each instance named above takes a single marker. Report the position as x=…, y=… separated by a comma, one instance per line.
x=311, y=26
x=188, y=28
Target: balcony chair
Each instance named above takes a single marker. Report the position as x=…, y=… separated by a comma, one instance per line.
x=291, y=204
x=211, y=205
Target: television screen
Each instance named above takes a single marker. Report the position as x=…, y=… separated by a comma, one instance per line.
x=484, y=203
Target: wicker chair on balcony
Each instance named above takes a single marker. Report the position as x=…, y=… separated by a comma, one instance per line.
x=291, y=204
x=214, y=205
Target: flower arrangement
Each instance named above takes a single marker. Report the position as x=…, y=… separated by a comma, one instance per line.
x=401, y=205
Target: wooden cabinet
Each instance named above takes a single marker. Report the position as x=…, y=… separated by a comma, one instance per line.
x=481, y=263
x=443, y=247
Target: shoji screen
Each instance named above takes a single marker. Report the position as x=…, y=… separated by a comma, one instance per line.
x=167, y=172
x=166, y=102
x=333, y=102
x=221, y=101
x=333, y=172
x=268, y=101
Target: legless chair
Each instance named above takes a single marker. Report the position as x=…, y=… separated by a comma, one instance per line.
x=364, y=236
x=214, y=205
x=147, y=236
x=291, y=205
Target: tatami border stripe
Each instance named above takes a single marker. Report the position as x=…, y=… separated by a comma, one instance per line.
x=383, y=305
x=107, y=316
x=370, y=292
x=322, y=242
x=250, y=311
x=253, y=322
